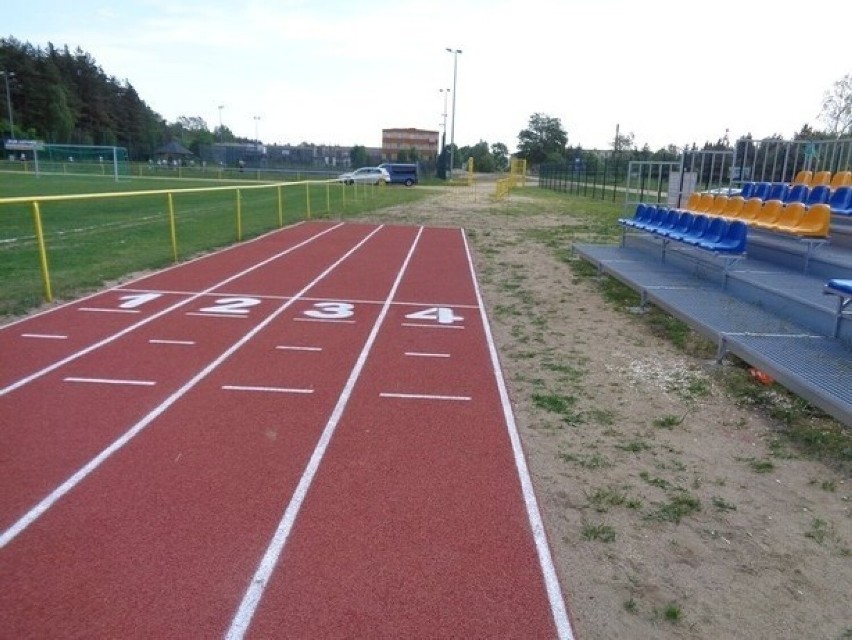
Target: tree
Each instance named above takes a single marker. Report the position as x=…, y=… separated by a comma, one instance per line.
x=837, y=107
x=358, y=156
x=500, y=155
x=543, y=139
x=624, y=142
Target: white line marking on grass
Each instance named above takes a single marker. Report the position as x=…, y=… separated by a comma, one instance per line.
x=105, y=310
x=48, y=501
x=44, y=336
x=431, y=326
x=251, y=599
x=286, y=347
x=422, y=396
x=138, y=383
x=151, y=318
x=235, y=387
x=418, y=354
x=545, y=559
x=178, y=342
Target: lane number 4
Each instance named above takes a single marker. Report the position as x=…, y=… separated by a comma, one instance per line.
x=441, y=315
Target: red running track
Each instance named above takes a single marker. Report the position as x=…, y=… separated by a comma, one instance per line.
x=304, y=436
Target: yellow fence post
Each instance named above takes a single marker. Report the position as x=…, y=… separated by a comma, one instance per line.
x=172, y=227
x=280, y=208
x=308, y=199
x=42, y=253
x=239, y=217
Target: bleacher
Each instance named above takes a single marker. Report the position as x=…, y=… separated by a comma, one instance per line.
x=750, y=270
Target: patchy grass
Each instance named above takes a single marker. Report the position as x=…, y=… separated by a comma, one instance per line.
x=600, y=532
x=680, y=505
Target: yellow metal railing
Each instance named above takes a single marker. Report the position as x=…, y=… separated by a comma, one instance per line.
x=516, y=178
x=36, y=202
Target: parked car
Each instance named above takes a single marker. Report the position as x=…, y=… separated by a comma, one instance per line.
x=401, y=173
x=368, y=175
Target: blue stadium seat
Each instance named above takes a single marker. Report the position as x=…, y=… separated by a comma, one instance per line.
x=818, y=195
x=797, y=193
x=696, y=229
x=761, y=189
x=732, y=240
x=712, y=234
x=641, y=214
x=680, y=226
x=841, y=201
x=748, y=190
x=777, y=191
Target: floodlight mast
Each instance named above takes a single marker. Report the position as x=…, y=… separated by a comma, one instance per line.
x=6, y=75
x=455, y=53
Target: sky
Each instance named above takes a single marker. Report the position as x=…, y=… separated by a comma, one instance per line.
x=339, y=71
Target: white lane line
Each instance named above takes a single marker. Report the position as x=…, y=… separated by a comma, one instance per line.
x=137, y=383
x=329, y=320
x=236, y=387
x=107, y=310
x=545, y=559
x=251, y=599
x=422, y=396
x=147, y=275
x=152, y=317
x=217, y=315
x=48, y=501
x=178, y=342
x=287, y=347
x=431, y=326
x=418, y=354
x=44, y=336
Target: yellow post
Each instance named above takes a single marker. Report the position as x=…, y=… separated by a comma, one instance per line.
x=308, y=198
x=239, y=218
x=172, y=227
x=42, y=253
x=280, y=208
x=328, y=198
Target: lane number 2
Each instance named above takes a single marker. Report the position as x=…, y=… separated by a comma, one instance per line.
x=232, y=306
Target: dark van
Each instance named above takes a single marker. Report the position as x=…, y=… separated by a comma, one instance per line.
x=401, y=173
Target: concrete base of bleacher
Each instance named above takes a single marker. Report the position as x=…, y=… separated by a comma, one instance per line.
x=765, y=308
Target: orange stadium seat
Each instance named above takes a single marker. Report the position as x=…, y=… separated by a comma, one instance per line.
x=820, y=178
x=719, y=203
x=790, y=217
x=734, y=207
x=815, y=223
x=803, y=177
x=769, y=214
x=751, y=209
x=841, y=179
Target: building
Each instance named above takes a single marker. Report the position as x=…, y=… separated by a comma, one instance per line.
x=395, y=141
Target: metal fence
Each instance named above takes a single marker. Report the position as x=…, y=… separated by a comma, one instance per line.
x=775, y=160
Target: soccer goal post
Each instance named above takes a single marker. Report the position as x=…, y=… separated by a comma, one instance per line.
x=83, y=159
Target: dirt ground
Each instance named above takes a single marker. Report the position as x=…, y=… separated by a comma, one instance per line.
x=671, y=511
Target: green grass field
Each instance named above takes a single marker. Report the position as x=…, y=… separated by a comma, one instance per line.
x=95, y=240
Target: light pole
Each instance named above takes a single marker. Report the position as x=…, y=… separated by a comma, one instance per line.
x=6, y=76
x=446, y=93
x=221, y=106
x=455, y=53
x=256, y=137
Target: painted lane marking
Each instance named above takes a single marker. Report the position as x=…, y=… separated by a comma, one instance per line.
x=81, y=474
x=107, y=310
x=140, y=278
x=179, y=342
x=422, y=396
x=44, y=336
x=324, y=320
x=235, y=387
x=418, y=354
x=431, y=326
x=217, y=315
x=138, y=383
x=154, y=316
x=251, y=599
x=545, y=559
x=287, y=347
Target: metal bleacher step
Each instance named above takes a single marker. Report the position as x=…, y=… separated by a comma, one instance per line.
x=767, y=314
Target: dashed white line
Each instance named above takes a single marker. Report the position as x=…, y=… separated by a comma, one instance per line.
x=105, y=310
x=44, y=336
x=431, y=326
x=424, y=396
x=287, y=347
x=236, y=387
x=178, y=342
x=418, y=354
x=137, y=383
